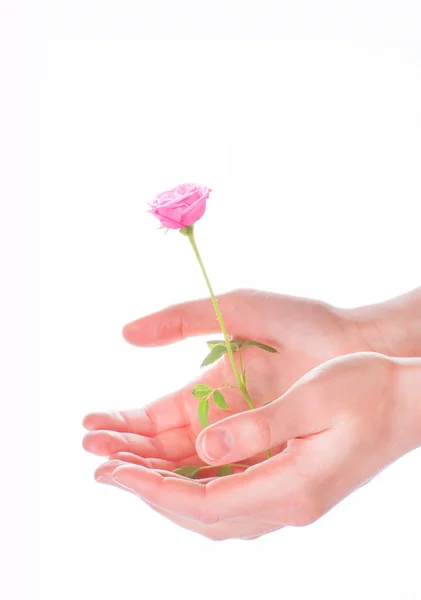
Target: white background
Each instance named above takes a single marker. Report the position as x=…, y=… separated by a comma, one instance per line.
x=305, y=120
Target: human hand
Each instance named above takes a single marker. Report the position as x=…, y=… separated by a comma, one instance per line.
x=162, y=435
x=305, y=333
x=342, y=422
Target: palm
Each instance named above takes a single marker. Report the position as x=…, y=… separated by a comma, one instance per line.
x=162, y=435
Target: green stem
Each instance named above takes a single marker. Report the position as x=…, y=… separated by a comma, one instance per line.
x=241, y=366
x=188, y=231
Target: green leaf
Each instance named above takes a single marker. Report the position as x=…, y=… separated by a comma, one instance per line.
x=219, y=400
x=259, y=345
x=188, y=471
x=201, y=390
x=212, y=343
x=213, y=355
x=225, y=470
x=203, y=410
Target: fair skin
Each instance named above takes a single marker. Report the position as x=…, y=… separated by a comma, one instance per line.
x=344, y=403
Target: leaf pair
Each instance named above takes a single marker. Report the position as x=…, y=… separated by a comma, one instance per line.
x=218, y=348
x=204, y=392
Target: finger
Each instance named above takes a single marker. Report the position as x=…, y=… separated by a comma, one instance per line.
x=299, y=412
x=171, y=445
x=157, y=463
x=103, y=473
x=150, y=463
x=197, y=317
x=163, y=414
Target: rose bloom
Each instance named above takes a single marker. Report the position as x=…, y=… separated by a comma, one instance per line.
x=180, y=207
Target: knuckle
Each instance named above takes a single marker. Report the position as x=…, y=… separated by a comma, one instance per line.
x=263, y=430
x=183, y=320
x=122, y=438
x=241, y=296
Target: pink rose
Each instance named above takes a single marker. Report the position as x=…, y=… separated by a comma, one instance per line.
x=180, y=207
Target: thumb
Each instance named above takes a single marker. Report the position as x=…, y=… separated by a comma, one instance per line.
x=196, y=317
x=295, y=414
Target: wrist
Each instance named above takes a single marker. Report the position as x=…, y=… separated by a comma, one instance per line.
x=392, y=328
x=408, y=393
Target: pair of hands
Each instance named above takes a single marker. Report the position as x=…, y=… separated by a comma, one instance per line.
x=337, y=417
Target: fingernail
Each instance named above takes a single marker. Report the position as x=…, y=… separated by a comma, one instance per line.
x=217, y=443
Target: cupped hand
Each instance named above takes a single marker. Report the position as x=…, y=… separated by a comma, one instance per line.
x=342, y=423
